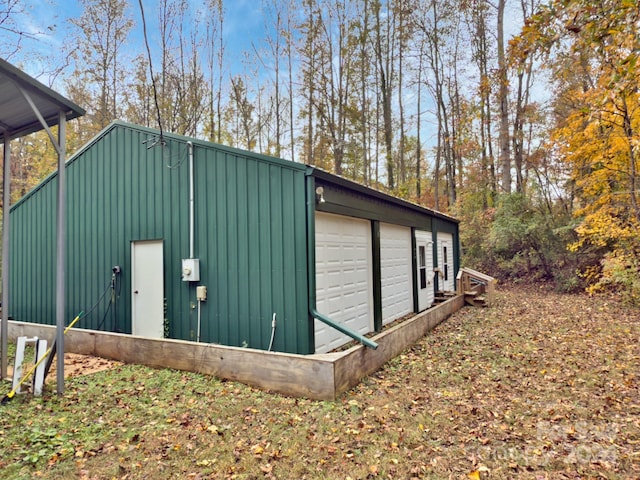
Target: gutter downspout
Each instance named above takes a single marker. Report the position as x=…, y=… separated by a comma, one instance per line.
x=311, y=268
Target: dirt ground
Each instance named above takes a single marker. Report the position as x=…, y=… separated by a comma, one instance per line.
x=75, y=365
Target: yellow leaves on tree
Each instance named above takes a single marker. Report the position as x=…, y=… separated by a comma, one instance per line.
x=597, y=133
x=601, y=145
x=604, y=166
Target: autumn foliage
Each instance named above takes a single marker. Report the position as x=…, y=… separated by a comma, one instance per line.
x=532, y=141
x=596, y=134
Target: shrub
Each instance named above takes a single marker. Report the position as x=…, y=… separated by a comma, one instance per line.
x=522, y=240
x=620, y=273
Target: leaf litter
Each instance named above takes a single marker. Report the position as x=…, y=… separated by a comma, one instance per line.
x=542, y=385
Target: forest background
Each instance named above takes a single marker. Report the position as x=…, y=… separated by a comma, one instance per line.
x=520, y=118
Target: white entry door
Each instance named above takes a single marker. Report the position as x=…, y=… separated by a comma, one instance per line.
x=344, y=269
x=447, y=281
x=147, y=289
x=424, y=269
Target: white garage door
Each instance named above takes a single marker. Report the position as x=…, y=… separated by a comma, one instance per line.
x=396, y=271
x=447, y=282
x=343, y=278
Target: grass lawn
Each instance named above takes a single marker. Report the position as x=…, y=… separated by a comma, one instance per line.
x=541, y=386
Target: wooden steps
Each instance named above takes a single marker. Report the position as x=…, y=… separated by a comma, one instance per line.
x=442, y=296
x=475, y=298
x=478, y=288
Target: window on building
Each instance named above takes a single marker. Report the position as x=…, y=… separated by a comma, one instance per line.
x=422, y=263
x=445, y=265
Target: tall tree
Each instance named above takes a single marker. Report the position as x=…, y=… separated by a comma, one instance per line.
x=290, y=46
x=503, y=100
x=477, y=15
x=402, y=13
x=596, y=48
x=182, y=92
x=362, y=31
x=309, y=29
x=103, y=29
x=274, y=58
x=523, y=106
x=384, y=48
x=419, y=85
x=274, y=42
x=215, y=54
x=437, y=22
x=334, y=78
x=242, y=126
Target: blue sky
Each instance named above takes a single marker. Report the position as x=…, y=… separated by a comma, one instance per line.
x=244, y=24
x=48, y=22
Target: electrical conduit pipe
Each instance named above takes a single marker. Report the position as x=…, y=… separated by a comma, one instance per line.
x=191, y=200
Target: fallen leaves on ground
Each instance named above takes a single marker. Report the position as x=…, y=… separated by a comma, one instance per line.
x=540, y=386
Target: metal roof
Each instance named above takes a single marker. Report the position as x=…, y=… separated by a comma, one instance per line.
x=17, y=118
x=28, y=106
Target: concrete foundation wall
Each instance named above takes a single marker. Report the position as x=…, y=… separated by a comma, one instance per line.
x=320, y=376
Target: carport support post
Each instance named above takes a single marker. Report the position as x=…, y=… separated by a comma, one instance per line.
x=61, y=246
x=6, y=199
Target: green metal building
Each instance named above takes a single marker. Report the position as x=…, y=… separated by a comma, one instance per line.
x=181, y=238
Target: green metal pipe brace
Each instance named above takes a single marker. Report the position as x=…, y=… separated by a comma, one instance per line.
x=347, y=331
x=311, y=280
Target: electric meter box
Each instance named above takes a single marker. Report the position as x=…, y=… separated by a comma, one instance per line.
x=191, y=269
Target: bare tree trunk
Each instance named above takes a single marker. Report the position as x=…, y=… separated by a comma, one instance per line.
x=215, y=60
x=456, y=125
x=419, y=121
x=385, y=77
x=503, y=93
x=364, y=109
x=377, y=129
x=309, y=84
x=525, y=81
x=402, y=34
x=289, y=38
x=518, y=132
x=275, y=47
x=633, y=174
x=436, y=170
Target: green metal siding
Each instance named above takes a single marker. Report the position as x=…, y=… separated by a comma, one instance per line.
x=250, y=237
x=32, y=262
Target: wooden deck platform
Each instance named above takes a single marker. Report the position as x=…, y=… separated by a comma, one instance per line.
x=320, y=376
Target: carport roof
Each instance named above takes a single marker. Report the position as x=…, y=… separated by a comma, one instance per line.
x=17, y=118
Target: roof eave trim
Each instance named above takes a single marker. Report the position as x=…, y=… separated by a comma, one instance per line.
x=330, y=177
